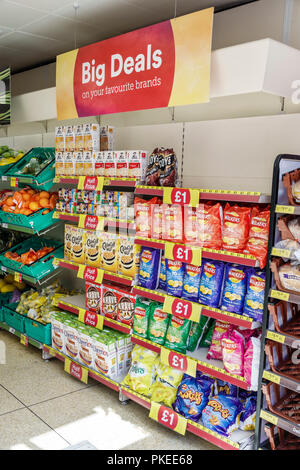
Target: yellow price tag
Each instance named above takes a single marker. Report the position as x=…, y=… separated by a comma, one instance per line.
x=90, y=274
x=17, y=277
x=167, y=417
x=90, y=183
x=181, y=196
x=281, y=253
x=183, y=253
x=268, y=417
x=178, y=361
x=271, y=377
x=285, y=209
x=24, y=340
x=91, y=222
x=13, y=181
x=91, y=319
x=277, y=337
x=278, y=294
x=77, y=371
x=55, y=215
x=182, y=308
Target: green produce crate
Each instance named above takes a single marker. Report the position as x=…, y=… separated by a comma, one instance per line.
x=36, y=221
x=39, y=268
x=5, y=298
x=44, y=178
x=12, y=318
x=38, y=331
x=1, y=315
x=5, y=168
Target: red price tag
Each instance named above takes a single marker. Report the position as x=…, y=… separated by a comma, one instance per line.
x=176, y=361
x=182, y=253
x=90, y=183
x=168, y=418
x=182, y=309
x=181, y=196
x=90, y=274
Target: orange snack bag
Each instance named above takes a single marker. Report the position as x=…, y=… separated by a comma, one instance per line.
x=143, y=216
x=209, y=226
x=157, y=216
x=258, y=235
x=235, y=227
x=172, y=223
x=190, y=225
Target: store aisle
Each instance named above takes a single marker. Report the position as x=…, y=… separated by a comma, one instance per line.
x=42, y=407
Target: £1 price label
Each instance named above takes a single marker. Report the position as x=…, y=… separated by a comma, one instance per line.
x=178, y=361
x=182, y=308
x=168, y=418
x=181, y=196
x=183, y=253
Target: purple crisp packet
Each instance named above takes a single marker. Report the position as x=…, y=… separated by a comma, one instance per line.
x=149, y=268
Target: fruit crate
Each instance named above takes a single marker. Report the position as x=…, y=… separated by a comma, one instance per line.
x=281, y=360
x=39, y=331
x=5, y=298
x=282, y=440
x=43, y=179
x=42, y=266
x=282, y=402
x=36, y=221
x=5, y=168
x=12, y=318
x=284, y=322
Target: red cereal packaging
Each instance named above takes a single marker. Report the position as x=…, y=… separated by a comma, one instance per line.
x=153, y=169
x=209, y=226
x=258, y=235
x=109, y=302
x=235, y=227
x=143, y=215
x=190, y=224
x=168, y=168
x=172, y=223
x=125, y=308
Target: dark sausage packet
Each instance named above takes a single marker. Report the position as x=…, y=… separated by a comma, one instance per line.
x=153, y=169
x=168, y=168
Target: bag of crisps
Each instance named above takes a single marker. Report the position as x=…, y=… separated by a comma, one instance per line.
x=142, y=371
x=143, y=215
x=209, y=226
x=177, y=334
x=258, y=235
x=235, y=227
x=158, y=323
x=141, y=317
x=166, y=382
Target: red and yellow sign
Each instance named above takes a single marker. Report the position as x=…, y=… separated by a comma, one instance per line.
x=182, y=308
x=166, y=64
x=168, y=418
x=91, y=222
x=77, y=371
x=90, y=274
x=181, y=196
x=91, y=319
x=183, y=253
x=178, y=361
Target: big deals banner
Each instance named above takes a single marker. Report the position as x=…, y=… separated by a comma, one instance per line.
x=167, y=64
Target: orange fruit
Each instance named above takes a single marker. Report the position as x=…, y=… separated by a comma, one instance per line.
x=33, y=206
x=31, y=191
x=46, y=211
x=17, y=211
x=44, y=194
x=26, y=196
x=44, y=202
x=27, y=212
x=9, y=201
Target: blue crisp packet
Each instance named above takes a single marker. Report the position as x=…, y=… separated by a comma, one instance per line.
x=191, y=282
x=211, y=282
x=235, y=285
x=175, y=273
x=192, y=396
x=248, y=416
x=224, y=388
x=162, y=284
x=254, y=300
x=222, y=414
x=149, y=268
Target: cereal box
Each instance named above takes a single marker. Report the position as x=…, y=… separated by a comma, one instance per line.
x=60, y=139
x=70, y=139
x=109, y=165
x=121, y=159
x=93, y=248
x=128, y=257
x=86, y=350
x=59, y=164
x=137, y=164
x=109, y=252
x=68, y=241
x=88, y=164
x=93, y=297
x=78, y=163
x=107, y=135
x=58, y=339
x=98, y=160
x=79, y=142
x=72, y=344
x=91, y=137
x=78, y=245
x=125, y=308
x=69, y=164
x=104, y=348
x=109, y=302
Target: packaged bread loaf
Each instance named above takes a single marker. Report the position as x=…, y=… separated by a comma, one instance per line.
x=290, y=277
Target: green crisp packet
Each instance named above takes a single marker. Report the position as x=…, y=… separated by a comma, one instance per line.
x=197, y=333
x=141, y=317
x=158, y=323
x=177, y=334
x=206, y=340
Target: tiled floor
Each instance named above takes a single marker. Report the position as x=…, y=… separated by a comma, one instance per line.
x=42, y=407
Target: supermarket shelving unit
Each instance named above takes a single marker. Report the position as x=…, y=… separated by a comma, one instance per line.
x=273, y=336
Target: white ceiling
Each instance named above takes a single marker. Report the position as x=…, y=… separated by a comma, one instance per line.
x=33, y=32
